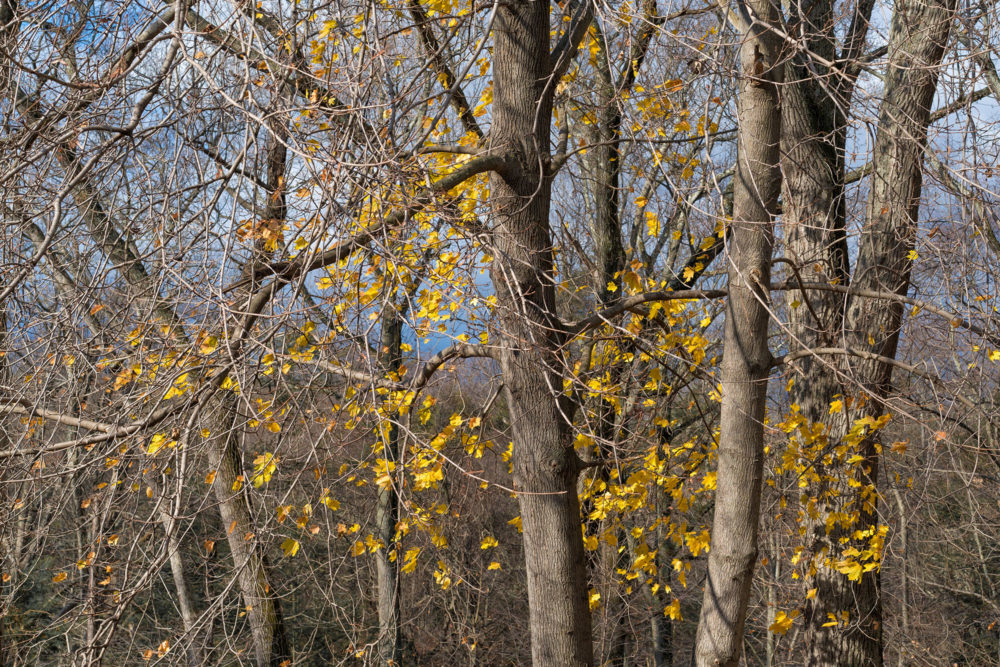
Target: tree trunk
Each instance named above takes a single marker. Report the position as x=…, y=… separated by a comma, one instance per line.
x=812, y=208
x=545, y=465
x=746, y=359
x=917, y=40
x=387, y=513
x=263, y=609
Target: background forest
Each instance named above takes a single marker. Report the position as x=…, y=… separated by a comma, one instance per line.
x=494, y=332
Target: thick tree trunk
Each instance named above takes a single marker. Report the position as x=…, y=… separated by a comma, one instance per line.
x=387, y=512
x=813, y=207
x=813, y=216
x=917, y=41
x=545, y=465
x=746, y=359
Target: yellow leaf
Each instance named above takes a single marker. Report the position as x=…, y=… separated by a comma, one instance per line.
x=209, y=345
x=782, y=622
x=290, y=547
x=264, y=467
x=493, y=566
x=156, y=444
x=852, y=568
x=410, y=559
x=488, y=543
x=60, y=576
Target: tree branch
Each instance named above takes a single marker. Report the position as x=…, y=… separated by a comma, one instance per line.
x=441, y=67
x=287, y=271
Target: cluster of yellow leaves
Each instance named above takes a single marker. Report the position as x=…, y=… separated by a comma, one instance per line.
x=831, y=478
x=264, y=467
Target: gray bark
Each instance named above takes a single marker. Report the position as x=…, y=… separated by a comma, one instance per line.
x=917, y=40
x=746, y=358
x=387, y=512
x=545, y=465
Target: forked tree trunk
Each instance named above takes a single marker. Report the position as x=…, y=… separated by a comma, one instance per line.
x=746, y=359
x=545, y=465
x=917, y=41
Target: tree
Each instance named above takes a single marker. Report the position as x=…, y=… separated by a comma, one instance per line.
x=746, y=357
x=391, y=333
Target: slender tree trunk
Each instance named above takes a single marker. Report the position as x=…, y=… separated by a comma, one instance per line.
x=387, y=514
x=904, y=592
x=612, y=633
x=609, y=621
x=271, y=645
x=917, y=40
x=264, y=614
x=746, y=359
x=545, y=465
x=662, y=625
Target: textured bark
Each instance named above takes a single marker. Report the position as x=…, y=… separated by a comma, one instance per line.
x=917, y=40
x=387, y=512
x=609, y=630
x=270, y=644
x=252, y=572
x=813, y=216
x=746, y=358
x=545, y=465
x=813, y=206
